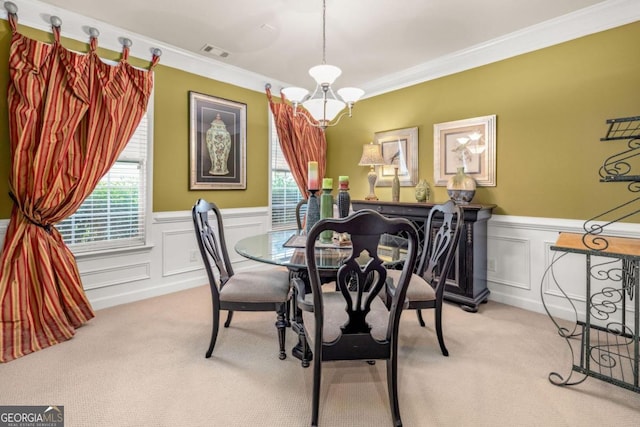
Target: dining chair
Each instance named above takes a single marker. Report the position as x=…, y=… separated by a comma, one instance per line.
x=266, y=289
x=426, y=287
x=352, y=322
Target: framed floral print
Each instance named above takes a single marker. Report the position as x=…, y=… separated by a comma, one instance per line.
x=468, y=143
x=399, y=151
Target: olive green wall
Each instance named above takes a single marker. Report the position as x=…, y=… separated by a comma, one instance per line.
x=171, y=143
x=551, y=106
x=171, y=133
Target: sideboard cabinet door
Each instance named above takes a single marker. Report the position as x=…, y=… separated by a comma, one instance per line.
x=467, y=281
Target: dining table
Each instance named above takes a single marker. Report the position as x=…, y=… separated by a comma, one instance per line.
x=286, y=248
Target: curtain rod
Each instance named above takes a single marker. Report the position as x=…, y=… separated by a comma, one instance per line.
x=56, y=22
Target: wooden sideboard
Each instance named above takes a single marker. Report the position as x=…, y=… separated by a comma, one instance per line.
x=467, y=282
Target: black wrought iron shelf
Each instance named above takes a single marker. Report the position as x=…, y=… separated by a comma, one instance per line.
x=620, y=178
x=604, y=341
x=617, y=168
x=605, y=344
x=623, y=128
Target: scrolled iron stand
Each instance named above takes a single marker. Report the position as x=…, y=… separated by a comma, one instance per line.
x=607, y=338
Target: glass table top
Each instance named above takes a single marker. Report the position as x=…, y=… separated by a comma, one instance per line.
x=286, y=248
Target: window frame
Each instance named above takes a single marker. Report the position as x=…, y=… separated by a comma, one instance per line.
x=272, y=140
x=89, y=249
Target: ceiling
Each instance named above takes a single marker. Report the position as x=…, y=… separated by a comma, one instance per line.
x=282, y=39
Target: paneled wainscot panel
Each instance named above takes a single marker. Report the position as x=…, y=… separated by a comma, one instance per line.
x=116, y=275
x=511, y=268
x=180, y=253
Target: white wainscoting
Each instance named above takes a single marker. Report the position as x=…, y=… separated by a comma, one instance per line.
x=518, y=253
x=171, y=262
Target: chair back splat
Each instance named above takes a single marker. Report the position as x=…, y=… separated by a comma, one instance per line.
x=442, y=229
x=441, y=238
x=211, y=241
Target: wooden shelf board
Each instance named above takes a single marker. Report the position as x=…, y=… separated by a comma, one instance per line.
x=625, y=246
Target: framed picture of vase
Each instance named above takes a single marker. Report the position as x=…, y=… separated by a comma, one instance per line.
x=217, y=143
x=399, y=151
x=468, y=144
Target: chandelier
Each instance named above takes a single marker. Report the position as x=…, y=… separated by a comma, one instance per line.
x=323, y=104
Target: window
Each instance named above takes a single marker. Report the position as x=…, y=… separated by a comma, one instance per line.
x=284, y=190
x=115, y=214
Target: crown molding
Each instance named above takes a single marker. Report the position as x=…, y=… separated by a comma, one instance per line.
x=36, y=14
x=602, y=16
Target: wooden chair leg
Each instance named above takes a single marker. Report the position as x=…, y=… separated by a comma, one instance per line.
x=229, y=317
x=214, y=330
x=443, y=348
x=317, y=376
x=420, y=319
x=392, y=384
x=288, y=318
x=281, y=325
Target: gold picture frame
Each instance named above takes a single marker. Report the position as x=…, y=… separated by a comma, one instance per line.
x=468, y=143
x=399, y=150
x=217, y=143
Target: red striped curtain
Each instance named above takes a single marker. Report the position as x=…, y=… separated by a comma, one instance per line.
x=70, y=116
x=300, y=141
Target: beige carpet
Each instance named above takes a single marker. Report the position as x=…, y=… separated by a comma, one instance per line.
x=143, y=364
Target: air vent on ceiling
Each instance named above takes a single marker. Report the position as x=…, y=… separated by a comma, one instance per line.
x=212, y=50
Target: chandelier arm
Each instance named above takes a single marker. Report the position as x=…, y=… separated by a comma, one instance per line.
x=337, y=120
x=326, y=124
x=305, y=114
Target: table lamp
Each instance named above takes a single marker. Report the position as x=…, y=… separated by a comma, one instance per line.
x=372, y=157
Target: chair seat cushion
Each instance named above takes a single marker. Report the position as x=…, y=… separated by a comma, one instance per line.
x=335, y=315
x=263, y=285
x=418, y=290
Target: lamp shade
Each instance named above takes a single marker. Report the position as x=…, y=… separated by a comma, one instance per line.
x=295, y=94
x=350, y=94
x=371, y=155
x=325, y=73
x=316, y=107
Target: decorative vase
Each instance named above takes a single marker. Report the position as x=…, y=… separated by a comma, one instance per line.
x=422, y=191
x=313, y=210
x=395, y=186
x=344, y=199
x=219, y=146
x=461, y=187
x=326, y=208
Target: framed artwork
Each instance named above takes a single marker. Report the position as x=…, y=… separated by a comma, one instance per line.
x=399, y=150
x=217, y=143
x=468, y=143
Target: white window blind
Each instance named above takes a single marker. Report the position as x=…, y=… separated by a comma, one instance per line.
x=284, y=191
x=115, y=214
